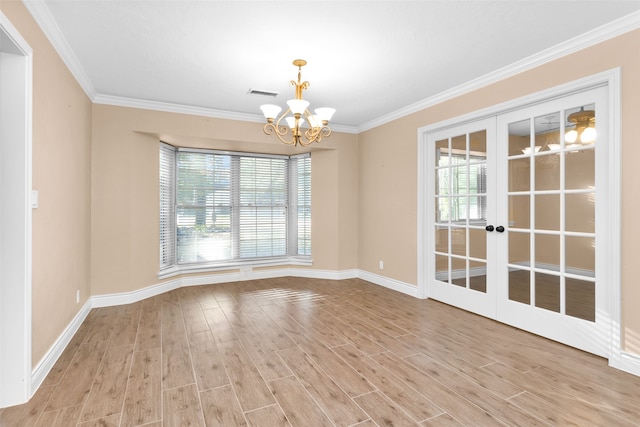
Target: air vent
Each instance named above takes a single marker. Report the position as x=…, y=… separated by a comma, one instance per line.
x=262, y=92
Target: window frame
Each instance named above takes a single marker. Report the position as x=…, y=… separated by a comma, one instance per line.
x=169, y=203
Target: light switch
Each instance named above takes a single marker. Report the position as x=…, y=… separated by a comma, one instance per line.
x=34, y=199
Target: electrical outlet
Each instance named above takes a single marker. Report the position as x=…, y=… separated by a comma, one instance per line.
x=381, y=265
x=78, y=296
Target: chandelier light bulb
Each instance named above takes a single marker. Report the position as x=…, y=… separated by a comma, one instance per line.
x=588, y=135
x=571, y=136
x=270, y=111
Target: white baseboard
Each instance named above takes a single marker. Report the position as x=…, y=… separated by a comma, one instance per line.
x=626, y=362
x=387, y=282
x=43, y=368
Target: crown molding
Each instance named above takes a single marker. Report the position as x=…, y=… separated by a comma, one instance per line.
x=600, y=34
x=42, y=15
x=168, y=107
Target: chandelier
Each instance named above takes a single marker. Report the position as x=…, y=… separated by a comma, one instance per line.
x=584, y=130
x=316, y=127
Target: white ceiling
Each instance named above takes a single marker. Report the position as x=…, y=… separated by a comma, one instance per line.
x=370, y=60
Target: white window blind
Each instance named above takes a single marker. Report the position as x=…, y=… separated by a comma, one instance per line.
x=167, y=200
x=232, y=207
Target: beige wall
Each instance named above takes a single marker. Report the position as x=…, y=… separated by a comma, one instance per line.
x=62, y=175
x=96, y=168
x=125, y=197
x=388, y=167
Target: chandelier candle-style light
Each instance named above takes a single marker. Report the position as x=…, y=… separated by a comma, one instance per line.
x=316, y=127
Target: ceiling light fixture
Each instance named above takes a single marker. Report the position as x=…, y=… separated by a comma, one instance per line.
x=317, y=124
x=584, y=131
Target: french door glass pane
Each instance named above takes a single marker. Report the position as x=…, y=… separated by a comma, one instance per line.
x=478, y=243
x=547, y=209
x=547, y=291
x=580, y=170
x=519, y=248
x=547, y=250
x=580, y=255
x=580, y=212
x=478, y=276
x=459, y=241
x=519, y=137
x=442, y=268
x=547, y=172
x=520, y=286
x=519, y=175
x=442, y=239
x=519, y=211
x=458, y=271
x=581, y=299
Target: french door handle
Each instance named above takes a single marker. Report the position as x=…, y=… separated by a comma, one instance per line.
x=489, y=228
x=499, y=229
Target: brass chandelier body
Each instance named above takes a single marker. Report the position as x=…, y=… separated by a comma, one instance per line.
x=318, y=124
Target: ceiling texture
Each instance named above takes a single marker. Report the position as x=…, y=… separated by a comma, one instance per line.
x=371, y=60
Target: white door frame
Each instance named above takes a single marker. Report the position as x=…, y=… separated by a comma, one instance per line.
x=16, y=59
x=611, y=79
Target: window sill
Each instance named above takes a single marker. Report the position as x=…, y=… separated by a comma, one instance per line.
x=179, y=269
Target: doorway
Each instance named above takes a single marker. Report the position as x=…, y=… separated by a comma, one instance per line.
x=516, y=217
x=15, y=216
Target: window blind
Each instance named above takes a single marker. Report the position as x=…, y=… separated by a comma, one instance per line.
x=167, y=200
x=232, y=207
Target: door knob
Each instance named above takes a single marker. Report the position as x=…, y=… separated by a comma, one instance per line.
x=499, y=229
x=489, y=228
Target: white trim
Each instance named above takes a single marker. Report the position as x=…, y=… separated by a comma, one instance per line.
x=42, y=15
x=168, y=107
x=627, y=362
x=597, y=35
x=45, y=365
x=390, y=283
x=16, y=77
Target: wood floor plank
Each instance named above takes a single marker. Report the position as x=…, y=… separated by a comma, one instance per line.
x=577, y=409
x=415, y=404
x=148, y=334
x=299, y=408
x=64, y=417
x=143, y=399
x=194, y=319
x=451, y=402
x=383, y=411
x=208, y=365
x=177, y=368
x=464, y=361
x=354, y=337
x=464, y=386
x=107, y=393
x=111, y=421
x=221, y=408
x=444, y=420
x=75, y=385
x=27, y=414
x=181, y=407
x=126, y=326
x=249, y=386
x=271, y=416
x=379, y=337
x=353, y=383
x=219, y=324
x=336, y=403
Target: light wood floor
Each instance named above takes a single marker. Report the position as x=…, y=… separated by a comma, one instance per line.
x=307, y=352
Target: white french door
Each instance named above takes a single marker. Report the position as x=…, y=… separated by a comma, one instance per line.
x=519, y=220
x=462, y=161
